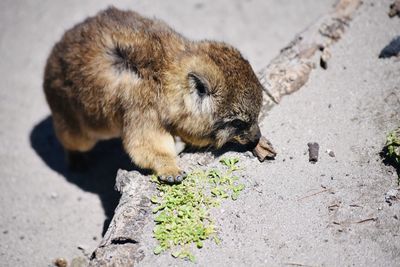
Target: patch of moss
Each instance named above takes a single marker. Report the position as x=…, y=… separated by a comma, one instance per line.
x=391, y=151
x=393, y=145
x=182, y=211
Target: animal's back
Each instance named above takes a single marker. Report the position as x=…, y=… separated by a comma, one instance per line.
x=103, y=61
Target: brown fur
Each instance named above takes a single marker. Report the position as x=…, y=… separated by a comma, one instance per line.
x=118, y=74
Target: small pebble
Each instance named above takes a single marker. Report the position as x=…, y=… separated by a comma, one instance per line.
x=61, y=262
x=392, y=49
x=330, y=153
x=313, y=149
x=392, y=195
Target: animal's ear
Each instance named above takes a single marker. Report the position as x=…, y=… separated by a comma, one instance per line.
x=199, y=83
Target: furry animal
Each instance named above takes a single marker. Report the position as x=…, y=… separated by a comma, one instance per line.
x=119, y=74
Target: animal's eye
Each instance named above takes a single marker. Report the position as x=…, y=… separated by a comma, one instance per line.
x=239, y=124
x=199, y=83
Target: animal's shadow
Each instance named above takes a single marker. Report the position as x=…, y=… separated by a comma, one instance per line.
x=104, y=161
x=99, y=177
x=388, y=161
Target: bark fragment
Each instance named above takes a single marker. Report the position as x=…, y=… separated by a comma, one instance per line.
x=313, y=151
x=264, y=150
x=121, y=243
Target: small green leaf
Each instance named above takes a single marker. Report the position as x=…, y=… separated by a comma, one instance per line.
x=224, y=194
x=238, y=188
x=215, y=191
x=154, y=179
x=158, y=208
x=199, y=244
x=157, y=250
x=176, y=254
x=161, y=218
x=182, y=255
x=235, y=195
x=191, y=257
x=154, y=200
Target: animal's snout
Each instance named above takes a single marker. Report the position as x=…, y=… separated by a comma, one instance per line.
x=254, y=135
x=249, y=137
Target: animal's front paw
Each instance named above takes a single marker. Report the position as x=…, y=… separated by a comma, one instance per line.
x=173, y=178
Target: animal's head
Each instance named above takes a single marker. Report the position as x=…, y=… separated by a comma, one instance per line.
x=214, y=96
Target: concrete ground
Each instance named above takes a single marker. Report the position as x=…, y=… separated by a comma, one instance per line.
x=292, y=213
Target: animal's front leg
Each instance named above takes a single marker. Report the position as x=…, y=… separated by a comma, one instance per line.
x=154, y=149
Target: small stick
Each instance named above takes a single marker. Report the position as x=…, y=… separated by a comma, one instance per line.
x=316, y=193
x=367, y=220
x=362, y=221
x=333, y=207
x=297, y=264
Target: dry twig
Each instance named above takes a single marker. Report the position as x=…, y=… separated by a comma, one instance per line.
x=316, y=193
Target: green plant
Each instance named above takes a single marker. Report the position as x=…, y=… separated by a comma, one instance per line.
x=392, y=151
x=182, y=211
x=393, y=145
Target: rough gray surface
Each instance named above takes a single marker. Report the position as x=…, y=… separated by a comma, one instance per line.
x=47, y=212
x=121, y=243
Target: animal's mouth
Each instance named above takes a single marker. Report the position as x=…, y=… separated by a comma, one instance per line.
x=249, y=138
x=245, y=142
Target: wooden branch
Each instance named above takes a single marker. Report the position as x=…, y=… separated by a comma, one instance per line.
x=287, y=73
x=120, y=245
x=290, y=70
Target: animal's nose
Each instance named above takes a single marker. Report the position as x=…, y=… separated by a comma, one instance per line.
x=254, y=135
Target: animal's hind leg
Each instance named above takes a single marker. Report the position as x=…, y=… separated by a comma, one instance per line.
x=74, y=141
